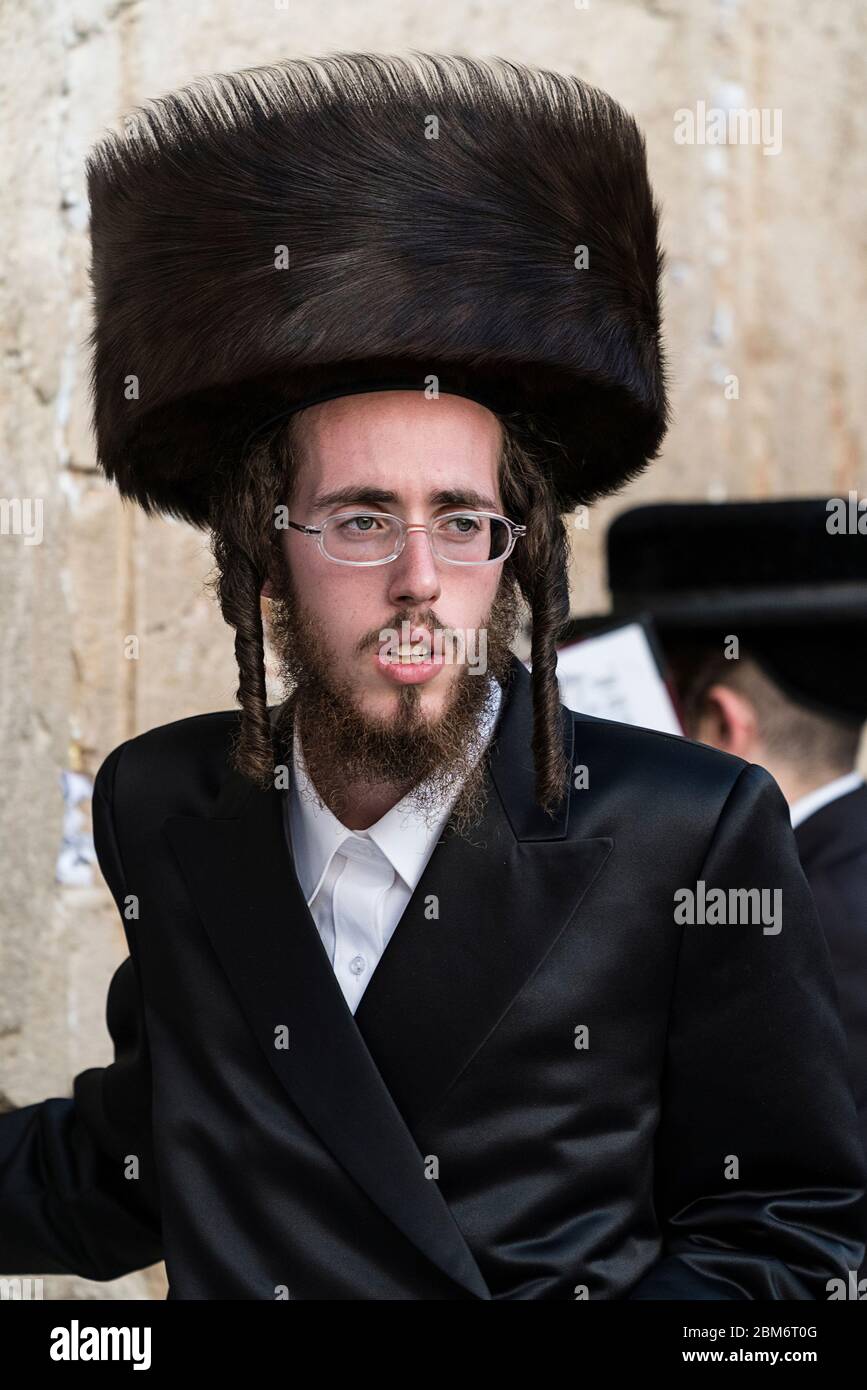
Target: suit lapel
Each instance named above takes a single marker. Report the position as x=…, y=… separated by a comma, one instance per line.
x=481, y=919
x=442, y=984
x=240, y=876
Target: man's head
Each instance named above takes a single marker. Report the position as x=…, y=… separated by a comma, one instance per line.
x=737, y=705
x=361, y=715
x=390, y=452
x=366, y=713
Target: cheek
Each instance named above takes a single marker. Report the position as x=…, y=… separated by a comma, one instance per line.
x=318, y=584
x=311, y=580
x=342, y=605
x=467, y=602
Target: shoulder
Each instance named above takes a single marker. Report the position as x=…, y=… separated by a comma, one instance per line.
x=656, y=756
x=667, y=778
x=173, y=769
x=834, y=838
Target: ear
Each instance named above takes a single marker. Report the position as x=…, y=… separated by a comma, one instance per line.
x=729, y=721
x=266, y=591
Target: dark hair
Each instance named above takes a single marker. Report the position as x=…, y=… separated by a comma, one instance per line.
x=246, y=546
x=817, y=743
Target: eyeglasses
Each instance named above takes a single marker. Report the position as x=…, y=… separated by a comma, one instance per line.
x=375, y=538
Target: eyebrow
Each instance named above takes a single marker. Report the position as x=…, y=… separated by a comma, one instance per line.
x=377, y=496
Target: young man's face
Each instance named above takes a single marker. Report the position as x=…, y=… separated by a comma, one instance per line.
x=362, y=719
x=393, y=451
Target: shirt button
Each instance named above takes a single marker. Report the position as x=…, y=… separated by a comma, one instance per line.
x=357, y=965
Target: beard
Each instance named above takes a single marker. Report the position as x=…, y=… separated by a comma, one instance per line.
x=408, y=754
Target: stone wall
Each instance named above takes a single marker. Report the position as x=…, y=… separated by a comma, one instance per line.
x=765, y=283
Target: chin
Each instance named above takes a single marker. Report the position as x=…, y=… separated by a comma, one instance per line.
x=428, y=699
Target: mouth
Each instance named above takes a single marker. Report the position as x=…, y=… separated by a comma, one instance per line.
x=412, y=662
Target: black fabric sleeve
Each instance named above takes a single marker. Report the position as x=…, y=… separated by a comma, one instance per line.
x=67, y=1205
x=756, y=1072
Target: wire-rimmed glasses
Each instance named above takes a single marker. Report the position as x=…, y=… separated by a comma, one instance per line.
x=458, y=538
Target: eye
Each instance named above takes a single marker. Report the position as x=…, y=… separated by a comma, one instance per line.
x=464, y=525
x=356, y=524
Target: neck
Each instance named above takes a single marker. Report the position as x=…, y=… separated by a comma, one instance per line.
x=794, y=783
x=365, y=804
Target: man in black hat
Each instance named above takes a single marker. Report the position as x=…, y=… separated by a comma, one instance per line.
x=761, y=613
x=429, y=993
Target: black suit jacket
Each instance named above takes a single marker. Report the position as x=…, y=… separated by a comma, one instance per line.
x=832, y=844
x=451, y=1141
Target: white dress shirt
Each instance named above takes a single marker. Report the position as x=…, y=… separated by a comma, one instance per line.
x=357, y=883
x=814, y=801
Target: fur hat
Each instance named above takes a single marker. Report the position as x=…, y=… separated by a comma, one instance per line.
x=265, y=237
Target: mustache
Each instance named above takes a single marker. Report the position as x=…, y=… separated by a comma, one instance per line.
x=427, y=619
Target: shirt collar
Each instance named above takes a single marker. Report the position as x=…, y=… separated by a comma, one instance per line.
x=814, y=801
x=405, y=838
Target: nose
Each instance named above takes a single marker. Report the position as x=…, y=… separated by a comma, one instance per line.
x=415, y=576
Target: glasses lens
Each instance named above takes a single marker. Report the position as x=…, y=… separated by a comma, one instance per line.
x=360, y=537
x=470, y=537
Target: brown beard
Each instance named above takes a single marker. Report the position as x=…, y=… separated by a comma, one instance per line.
x=407, y=755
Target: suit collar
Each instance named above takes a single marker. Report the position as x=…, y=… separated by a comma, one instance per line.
x=464, y=947
x=813, y=801
x=834, y=832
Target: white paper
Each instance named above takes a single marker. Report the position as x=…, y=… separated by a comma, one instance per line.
x=615, y=676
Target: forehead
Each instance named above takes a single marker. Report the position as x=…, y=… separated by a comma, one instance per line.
x=399, y=439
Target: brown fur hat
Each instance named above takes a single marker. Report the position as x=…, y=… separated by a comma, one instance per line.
x=263, y=236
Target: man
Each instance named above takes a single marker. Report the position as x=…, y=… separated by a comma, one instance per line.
x=761, y=611
x=411, y=1010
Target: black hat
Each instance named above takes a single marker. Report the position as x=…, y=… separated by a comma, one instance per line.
x=276, y=235
x=788, y=578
